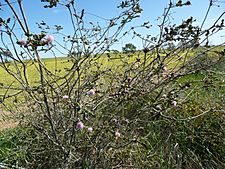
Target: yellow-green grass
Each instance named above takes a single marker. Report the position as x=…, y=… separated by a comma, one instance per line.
x=59, y=66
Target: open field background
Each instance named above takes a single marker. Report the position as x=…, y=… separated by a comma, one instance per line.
x=118, y=62
x=207, y=87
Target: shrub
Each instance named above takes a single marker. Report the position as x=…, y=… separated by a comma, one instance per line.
x=107, y=111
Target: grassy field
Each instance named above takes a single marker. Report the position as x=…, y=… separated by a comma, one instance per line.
x=189, y=135
x=58, y=66
x=207, y=85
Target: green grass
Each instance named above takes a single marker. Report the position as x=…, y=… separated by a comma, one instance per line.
x=12, y=143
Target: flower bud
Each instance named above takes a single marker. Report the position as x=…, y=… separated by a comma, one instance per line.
x=164, y=68
x=117, y=134
x=80, y=125
x=90, y=129
x=91, y=92
x=23, y=42
x=174, y=103
x=65, y=97
x=50, y=39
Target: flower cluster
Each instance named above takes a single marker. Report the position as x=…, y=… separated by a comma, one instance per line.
x=80, y=126
x=37, y=40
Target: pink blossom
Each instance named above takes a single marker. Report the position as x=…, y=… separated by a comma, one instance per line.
x=174, y=103
x=23, y=42
x=164, y=68
x=91, y=92
x=80, y=125
x=50, y=38
x=65, y=97
x=117, y=134
x=90, y=129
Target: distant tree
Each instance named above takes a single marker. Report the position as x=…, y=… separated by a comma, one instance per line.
x=129, y=48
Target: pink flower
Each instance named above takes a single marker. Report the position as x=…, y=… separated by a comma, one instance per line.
x=174, y=103
x=164, y=68
x=50, y=38
x=65, y=97
x=91, y=92
x=117, y=134
x=80, y=125
x=90, y=129
x=23, y=42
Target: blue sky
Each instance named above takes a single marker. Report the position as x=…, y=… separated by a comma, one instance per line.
x=152, y=9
